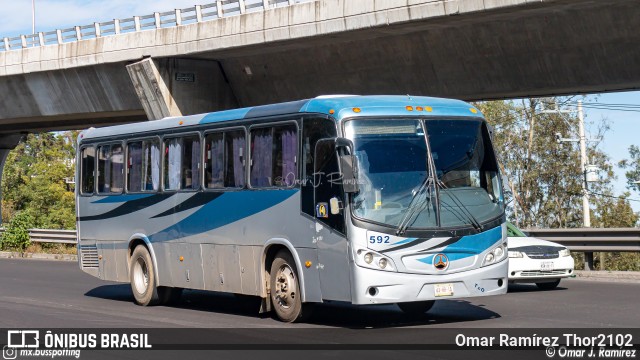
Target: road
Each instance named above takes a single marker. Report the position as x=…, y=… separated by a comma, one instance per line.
x=41, y=294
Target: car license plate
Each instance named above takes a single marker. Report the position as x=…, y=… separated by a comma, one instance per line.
x=546, y=266
x=443, y=289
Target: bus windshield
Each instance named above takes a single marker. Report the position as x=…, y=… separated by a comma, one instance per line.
x=393, y=165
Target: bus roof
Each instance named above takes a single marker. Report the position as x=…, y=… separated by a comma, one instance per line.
x=338, y=106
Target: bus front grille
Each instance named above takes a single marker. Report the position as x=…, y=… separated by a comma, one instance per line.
x=89, y=256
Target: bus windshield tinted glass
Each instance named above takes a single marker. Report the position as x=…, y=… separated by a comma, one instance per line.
x=393, y=163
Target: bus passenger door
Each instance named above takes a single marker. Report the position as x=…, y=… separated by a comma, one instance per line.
x=330, y=233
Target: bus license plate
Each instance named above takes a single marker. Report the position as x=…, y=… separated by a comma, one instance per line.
x=546, y=266
x=443, y=289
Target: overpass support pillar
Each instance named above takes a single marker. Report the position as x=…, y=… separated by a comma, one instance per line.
x=7, y=143
x=177, y=87
x=152, y=91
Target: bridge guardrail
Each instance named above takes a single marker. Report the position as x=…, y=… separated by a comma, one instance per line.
x=157, y=20
x=590, y=240
x=52, y=236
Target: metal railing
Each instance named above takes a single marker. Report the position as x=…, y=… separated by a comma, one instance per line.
x=52, y=236
x=157, y=20
x=590, y=240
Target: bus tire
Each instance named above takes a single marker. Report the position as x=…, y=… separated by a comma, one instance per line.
x=143, y=278
x=286, y=297
x=416, y=308
x=548, y=285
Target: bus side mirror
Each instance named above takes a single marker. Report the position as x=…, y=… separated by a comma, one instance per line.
x=349, y=168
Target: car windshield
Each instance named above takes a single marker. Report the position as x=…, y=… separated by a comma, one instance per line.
x=393, y=161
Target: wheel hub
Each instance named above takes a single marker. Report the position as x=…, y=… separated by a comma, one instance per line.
x=285, y=292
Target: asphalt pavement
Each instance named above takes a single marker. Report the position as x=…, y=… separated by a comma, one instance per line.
x=37, y=293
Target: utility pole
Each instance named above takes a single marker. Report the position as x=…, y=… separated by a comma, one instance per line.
x=583, y=167
x=588, y=256
x=33, y=16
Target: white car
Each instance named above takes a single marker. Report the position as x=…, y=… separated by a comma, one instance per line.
x=537, y=261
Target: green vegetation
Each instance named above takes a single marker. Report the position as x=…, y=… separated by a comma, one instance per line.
x=16, y=234
x=36, y=181
x=36, y=187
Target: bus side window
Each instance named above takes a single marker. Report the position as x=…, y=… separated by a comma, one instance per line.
x=274, y=152
x=314, y=129
x=117, y=168
x=182, y=163
x=88, y=172
x=214, y=161
x=234, y=154
x=224, y=159
x=143, y=165
x=110, y=169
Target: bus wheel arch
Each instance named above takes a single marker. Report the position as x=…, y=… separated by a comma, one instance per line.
x=139, y=239
x=271, y=249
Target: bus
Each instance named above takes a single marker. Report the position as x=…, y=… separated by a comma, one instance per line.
x=358, y=199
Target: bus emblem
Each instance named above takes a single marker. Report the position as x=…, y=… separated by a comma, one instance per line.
x=321, y=210
x=440, y=261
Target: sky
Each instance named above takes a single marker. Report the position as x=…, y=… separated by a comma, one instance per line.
x=15, y=19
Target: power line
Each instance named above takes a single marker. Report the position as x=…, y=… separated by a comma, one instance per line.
x=609, y=196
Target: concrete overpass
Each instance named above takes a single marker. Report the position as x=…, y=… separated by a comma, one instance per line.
x=469, y=49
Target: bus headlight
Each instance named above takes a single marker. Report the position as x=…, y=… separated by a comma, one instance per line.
x=373, y=260
x=564, y=252
x=495, y=255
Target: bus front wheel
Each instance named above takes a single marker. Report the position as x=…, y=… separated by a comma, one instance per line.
x=143, y=278
x=285, y=289
x=416, y=308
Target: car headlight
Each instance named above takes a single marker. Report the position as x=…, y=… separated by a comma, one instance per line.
x=564, y=252
x=495, y=255
x=515, y=254
x=373, y=260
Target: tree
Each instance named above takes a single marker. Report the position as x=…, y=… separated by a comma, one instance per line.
x=633, y=164
x=544, y=175
x=612, y=212
x=36, y=180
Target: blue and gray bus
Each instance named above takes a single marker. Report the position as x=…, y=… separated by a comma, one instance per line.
x=361, y=199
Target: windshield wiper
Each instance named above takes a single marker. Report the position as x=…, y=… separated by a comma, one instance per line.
x=465, y=211
x=413, y=206
x=437, y=184
x=429, y=181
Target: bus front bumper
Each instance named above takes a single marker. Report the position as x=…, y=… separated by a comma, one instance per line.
x=382, y=287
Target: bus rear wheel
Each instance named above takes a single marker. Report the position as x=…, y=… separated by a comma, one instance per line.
x=416, y=308
x=285, y=289
x=143, y=278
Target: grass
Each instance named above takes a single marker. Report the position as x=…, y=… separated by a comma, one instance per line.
x=45, y=248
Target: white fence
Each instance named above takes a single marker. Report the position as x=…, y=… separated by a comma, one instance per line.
x=158, y=20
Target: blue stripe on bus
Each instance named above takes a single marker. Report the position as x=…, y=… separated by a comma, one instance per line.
x=228, y=115
x=407, y=240
x=469, y=245
x=226, y=209
x=121, y=198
